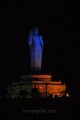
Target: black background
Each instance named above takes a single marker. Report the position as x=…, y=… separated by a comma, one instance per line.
x=59, y=26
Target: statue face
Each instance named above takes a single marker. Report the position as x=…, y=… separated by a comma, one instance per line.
x=36, y=30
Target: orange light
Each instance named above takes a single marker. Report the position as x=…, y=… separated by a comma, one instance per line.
x=40, y=87
x=45, y=85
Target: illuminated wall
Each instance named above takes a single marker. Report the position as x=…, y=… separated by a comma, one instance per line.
x=50, y=88
x=56, y=89
x=44, y=85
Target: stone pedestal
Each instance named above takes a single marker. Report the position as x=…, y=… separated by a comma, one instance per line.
x=43, y=83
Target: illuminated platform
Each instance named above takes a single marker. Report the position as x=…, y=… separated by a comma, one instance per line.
x=47, y=87
x=37, y=77
x=43, y=83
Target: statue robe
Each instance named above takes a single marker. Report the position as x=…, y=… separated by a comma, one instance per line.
x=36, y=46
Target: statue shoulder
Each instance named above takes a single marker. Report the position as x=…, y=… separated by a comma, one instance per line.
x=40, y=36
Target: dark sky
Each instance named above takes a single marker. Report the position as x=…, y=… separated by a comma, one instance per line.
x=58, y=23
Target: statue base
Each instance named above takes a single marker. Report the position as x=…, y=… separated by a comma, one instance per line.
x=43, y=83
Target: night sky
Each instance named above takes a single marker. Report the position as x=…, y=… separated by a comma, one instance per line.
x=59, y=26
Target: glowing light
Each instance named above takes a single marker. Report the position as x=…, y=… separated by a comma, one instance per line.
x=40, y=87
x=58, y=95
x=67, y=94
x=53, y=96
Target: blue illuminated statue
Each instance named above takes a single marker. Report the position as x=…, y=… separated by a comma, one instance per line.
x=35, y=43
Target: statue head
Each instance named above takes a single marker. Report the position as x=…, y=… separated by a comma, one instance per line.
x=36, y=30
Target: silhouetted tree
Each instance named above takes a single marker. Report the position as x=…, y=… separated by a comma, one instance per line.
x=23, y=93
x=35, y=93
